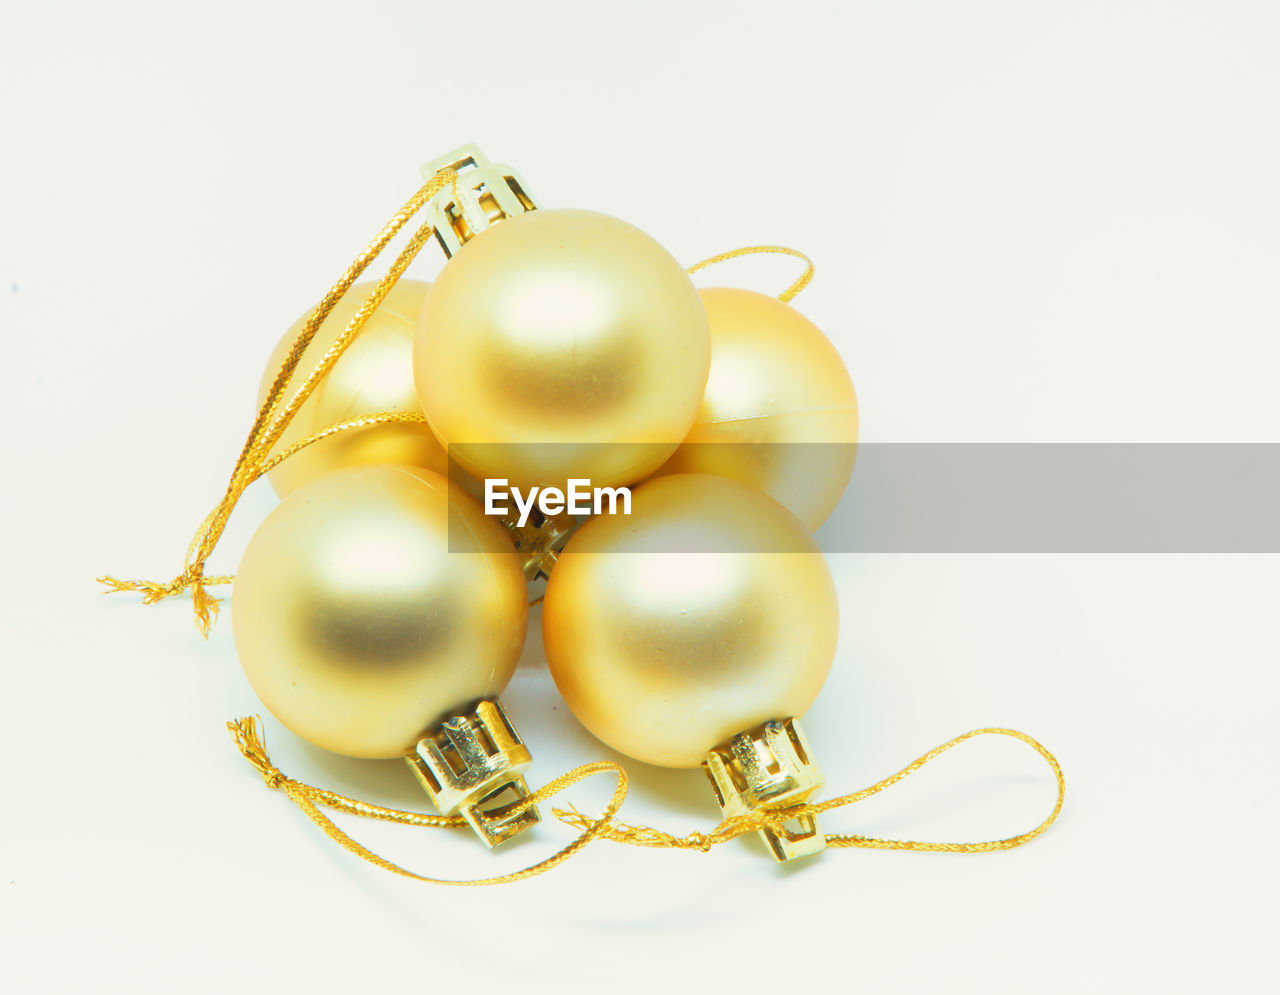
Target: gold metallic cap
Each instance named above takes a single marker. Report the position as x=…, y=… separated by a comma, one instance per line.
x=769, y=767
x=538, y=542
x=471, y=763
x=485, y=194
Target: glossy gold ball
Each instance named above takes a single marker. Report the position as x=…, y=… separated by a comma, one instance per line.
x=372, y=602
x=373, y=375
x=706, y=611
x=779, y=411
x=558, y=344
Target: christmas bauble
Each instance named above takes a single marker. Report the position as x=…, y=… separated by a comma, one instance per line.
x=559, y=344
x=373, y=375
x=779, y=411
x=373, y=601
x=706, y=611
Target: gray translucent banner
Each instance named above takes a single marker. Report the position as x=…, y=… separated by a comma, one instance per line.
x=1016, y=497
x=1059, y=498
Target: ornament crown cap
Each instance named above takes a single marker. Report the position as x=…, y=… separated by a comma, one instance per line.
x=484, y=194
x=471, y=765
x=768, y=768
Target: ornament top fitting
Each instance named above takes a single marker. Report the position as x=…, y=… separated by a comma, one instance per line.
x=485, y=194
x=770, y=768
x=472, y=763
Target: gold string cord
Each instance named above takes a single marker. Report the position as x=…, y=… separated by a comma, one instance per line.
x=620, y=832
x=272, y=420
x=248, y=736
x=751, y=250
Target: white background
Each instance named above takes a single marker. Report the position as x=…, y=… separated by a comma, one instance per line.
x=1032, y=221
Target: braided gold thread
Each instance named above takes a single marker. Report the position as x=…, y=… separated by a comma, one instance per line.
x=364, y=421
x=247, y=734
x=781, y=250
x=620, y=832
x=270, y=422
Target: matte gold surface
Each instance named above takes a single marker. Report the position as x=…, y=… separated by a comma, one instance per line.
x=356, y=624
x=663, y=654
x=776, y=382
x=374, y=375
x=563, y=327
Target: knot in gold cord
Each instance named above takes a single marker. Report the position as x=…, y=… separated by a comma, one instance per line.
x=699, y=841
x=273, y=777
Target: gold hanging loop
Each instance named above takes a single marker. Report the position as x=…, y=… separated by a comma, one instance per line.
x=270, y=423
x=751, y=250
x=248, y=737
x=732, y=828
x=364, y=421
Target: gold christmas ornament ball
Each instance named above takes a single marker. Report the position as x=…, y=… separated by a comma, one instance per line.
x=373, y=375
x=562, y=343
x=372, y=602
x=706, y=611
x=779, y=411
